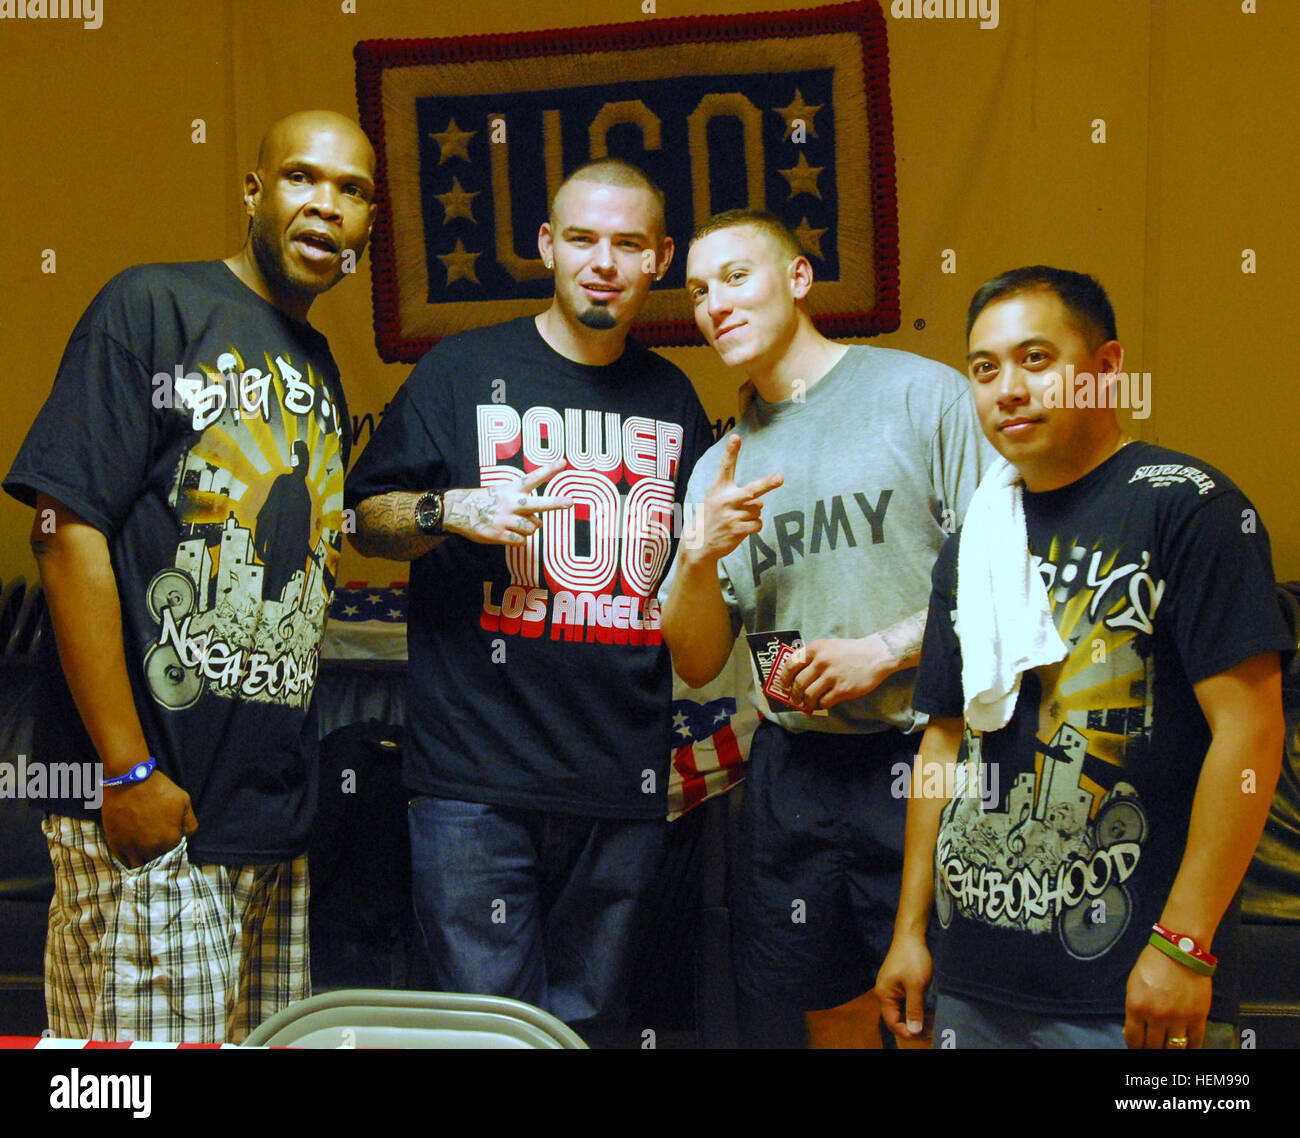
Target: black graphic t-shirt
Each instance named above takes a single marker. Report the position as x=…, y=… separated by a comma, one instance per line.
x=1066, y=828
x=538, y=674
x=205, y=434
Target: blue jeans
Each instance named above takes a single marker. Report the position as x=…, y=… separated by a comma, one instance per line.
x=536, y=906
x=980, y=1024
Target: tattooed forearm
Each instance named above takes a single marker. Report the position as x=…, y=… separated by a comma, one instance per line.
x=508, y=513
x=386, y=527
x=904, y=639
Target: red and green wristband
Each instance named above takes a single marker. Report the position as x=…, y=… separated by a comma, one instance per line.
x=1183, y=949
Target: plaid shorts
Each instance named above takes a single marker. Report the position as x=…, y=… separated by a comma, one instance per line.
x=169, y=951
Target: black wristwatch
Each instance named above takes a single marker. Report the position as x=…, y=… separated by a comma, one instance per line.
x=429, y=513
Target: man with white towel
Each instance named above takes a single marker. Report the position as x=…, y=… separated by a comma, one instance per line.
x=1101, y=672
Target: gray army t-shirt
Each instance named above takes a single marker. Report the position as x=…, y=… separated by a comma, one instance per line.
x=880, y=458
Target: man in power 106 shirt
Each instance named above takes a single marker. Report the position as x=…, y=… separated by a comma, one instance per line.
x=538, y=727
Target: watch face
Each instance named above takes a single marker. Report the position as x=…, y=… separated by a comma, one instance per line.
x=428, y=513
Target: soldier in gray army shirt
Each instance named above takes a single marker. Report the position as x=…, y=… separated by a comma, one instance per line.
x=865, y=459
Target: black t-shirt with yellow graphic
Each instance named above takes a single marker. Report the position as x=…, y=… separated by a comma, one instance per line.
x=206, y=435
x=1066, y=827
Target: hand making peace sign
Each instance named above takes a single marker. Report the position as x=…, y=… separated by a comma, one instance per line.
x=729, y=513
x=505, y=514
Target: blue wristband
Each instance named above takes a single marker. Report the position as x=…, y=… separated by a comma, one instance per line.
x=137, y=773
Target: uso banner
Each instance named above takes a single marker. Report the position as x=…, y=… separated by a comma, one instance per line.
x=787, y=111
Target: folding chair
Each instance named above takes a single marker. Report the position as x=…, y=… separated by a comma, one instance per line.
x=363, y=1017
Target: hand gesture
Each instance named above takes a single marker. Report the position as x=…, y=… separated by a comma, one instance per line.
x=504, y=514
x=729, y=513
x=143, y=820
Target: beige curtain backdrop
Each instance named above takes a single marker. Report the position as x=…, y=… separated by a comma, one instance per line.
x=999, y=161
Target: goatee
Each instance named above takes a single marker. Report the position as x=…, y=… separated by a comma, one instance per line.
x=597, y=317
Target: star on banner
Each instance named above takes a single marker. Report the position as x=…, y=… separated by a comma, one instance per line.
x=458, y=202
x=798, y=109
x=810, y=238
x=803, y=178
x=460, y=264
x=681, y=726
x=453, y=142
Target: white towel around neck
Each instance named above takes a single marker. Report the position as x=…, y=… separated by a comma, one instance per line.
x=1004, y=621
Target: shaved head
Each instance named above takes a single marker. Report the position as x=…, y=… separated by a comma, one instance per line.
x=284, y=134
x=780, y=235
x=310, y=205
x=614, y=172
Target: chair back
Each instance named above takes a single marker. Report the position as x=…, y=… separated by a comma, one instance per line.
x=384, y=1018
